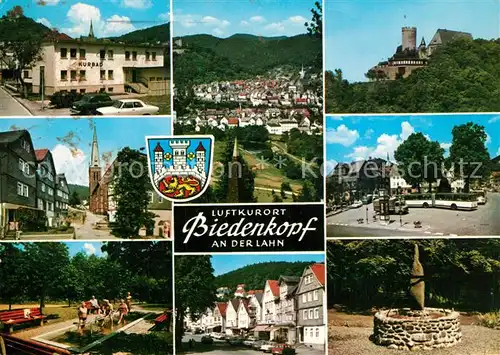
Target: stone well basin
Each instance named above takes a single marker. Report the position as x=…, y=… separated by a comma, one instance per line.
x=407, y=329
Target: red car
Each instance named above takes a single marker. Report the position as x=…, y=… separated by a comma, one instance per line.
x=279, y=348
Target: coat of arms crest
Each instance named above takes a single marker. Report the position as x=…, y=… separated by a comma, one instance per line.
x=180, y=166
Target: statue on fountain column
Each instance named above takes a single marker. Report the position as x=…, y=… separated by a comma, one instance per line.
x=417, y=289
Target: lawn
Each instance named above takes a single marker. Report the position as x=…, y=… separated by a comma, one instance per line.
x=163, y=102
x=55, y=312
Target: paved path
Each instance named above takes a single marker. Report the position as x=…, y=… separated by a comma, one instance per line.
x=50, y=326
x=9, y=106
x=86, y=230
x=435, y=222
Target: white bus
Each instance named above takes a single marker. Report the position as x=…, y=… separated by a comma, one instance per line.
x=454, y=201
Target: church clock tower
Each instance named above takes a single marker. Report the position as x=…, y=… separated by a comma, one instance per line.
x=94, y=168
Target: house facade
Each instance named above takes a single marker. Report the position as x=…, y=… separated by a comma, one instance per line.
x=286, y=310
x=220, y=317
x=271, y=295
x=28, y=180
x=311, y=299
x=89, y=64
x=232, y=317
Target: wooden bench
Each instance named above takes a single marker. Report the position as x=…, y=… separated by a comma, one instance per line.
x=11, y=345
x=89, y=306
x=17, y=316
x=161, y=319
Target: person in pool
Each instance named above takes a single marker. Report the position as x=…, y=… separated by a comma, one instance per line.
x=82, y=317
x=123, y=309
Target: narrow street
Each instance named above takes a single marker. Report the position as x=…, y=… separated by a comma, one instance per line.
x=86, y=231
x=434, y=222
x=9, y=106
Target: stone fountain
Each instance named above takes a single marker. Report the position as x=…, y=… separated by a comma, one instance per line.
x=418, y=327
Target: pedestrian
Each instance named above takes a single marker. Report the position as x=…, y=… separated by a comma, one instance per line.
x=123, y=309
x=82, y=317
x=129, y=301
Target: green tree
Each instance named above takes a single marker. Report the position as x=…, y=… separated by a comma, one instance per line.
x=468, y=153
x=419, y=160
x=74, y=199
x=131, y=186
x=12, y=273
x=44, y=264
x=315, y=27
x=194, y=289
x=307, y=194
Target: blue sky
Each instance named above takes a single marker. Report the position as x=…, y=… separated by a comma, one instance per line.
x=109, y=17
x=223, y=264
x=350, y=138
x=361, y=33
x=224, y=18
x=70, y=139
x=89, y=248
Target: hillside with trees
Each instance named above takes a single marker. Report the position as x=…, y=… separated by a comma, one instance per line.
x=255, y=276
x=155, y=34
x=462, y=76
x=81, y=191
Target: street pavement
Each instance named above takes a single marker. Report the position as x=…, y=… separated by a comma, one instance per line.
x=10, y=106
x=484, y=221
x=86, y=231
x=222, y=347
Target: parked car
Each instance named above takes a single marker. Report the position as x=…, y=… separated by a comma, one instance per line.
x=357, y=204
x=267, y=346
x=206, y=339
x=367, y=199
x=89, y=103
x=197, y=331
x=219, y=336
x=248, y=342
x=278, y=349
x=127, y=107
x=236, y=341
x=257, y=344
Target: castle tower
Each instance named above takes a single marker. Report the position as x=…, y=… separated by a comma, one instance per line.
x=200, y=158
x=91, y=31
x=232, y=193
x=158, y=156
x=409, y=35
x=95, y=165
x=179, y=149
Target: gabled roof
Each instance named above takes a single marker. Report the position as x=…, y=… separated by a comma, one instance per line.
x=288, y=279
x=449, y=35
x=235, y=302
x=40, y=154
x=11, y=136
x=319, y=271
x=274, y=286
x=222, y=308
x=259, y=297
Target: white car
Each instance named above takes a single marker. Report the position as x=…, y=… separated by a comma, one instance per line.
x=357, y=204
x=267, y=347
x=126, y=107
x=481, y=200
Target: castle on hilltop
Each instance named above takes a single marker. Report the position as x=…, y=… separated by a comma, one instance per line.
x=180, y=166
x=409, y=57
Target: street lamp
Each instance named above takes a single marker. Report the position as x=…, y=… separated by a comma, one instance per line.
x=400, y=200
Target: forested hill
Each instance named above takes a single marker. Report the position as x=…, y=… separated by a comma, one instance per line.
x=12, y=28
x=255, y=276
x=462, y=76
x=206, y=58
x=160, y=33
x=82, y=191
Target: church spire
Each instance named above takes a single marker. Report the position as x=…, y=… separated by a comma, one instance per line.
x=91, y=31
x=234, y=175
x=94, y=156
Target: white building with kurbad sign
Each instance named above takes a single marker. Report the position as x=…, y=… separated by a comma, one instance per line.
x=89, y=64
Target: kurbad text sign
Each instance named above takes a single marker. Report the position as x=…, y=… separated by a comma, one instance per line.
x=252, y=228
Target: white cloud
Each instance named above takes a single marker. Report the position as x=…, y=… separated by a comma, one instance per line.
x=360, y=153
x=89, y=249
x=80, y=15
x=117, y=25
x=137, y=4
x=494, y=119
x=275, y=27
x=49, y=2
x=406, y=130
x=298, y=20
x=213, y=21
x=445, y=146
x=71, y=162
x=488, y=138
x=257, y=19
x=342, y=135
x=185, y=20
x=244, y=23
x=329, y=165
x=165, y=16
x=368, y=134
x=386, y=144
x=44, y=22
x=218, y=32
